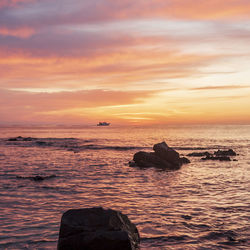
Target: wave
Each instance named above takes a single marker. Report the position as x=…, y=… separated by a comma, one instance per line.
x=170, y=238
x=77, y=145
x=103, y=147
x=70, y=144
x=197, y=148
x=231, y=209
x=196, y=226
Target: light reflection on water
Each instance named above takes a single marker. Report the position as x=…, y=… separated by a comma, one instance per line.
x=214, y=194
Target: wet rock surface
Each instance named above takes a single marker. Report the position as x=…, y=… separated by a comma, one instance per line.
x=164, y=157
x=97, y=229
x=199, y=154
x=228, y=152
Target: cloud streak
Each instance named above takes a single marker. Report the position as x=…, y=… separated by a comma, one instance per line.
x=62, y=12
x=224, y=87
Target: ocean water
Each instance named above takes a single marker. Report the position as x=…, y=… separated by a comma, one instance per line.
x=204, y=205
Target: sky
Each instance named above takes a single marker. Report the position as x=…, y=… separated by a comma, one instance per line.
x=124, y=62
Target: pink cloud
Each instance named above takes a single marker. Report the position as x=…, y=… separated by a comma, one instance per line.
x=12, y=3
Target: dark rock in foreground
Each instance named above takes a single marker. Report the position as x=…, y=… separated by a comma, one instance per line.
x=228, y=152
x=36, y=178
x=97, y=229
x=216, y=158
x=164, y=157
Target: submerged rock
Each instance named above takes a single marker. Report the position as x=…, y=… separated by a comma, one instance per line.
x=36, y=178
x=20, y=138
x=28, y=139
x=97, y=229
x=41, y=143
x=163, y=157
x=187, y=217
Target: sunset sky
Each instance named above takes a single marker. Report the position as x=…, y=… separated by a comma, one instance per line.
x=126, y=62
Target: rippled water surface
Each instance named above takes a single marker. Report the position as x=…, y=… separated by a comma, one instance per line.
x=204, y=205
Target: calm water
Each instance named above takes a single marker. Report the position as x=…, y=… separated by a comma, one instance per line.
x=91, y=169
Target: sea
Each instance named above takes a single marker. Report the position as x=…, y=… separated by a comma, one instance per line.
x=49, y=170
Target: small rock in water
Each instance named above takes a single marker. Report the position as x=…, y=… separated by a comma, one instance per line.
x=18, y=138
x=97, y=229
x=199, y=154
x=228, y=152
x=186, y=217
x=12, y=139
x=38, y=178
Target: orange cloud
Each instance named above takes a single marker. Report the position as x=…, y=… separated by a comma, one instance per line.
x=22, y=32
x=200, y=9
x=136, y=107
x=29, y=106
x=72, y=99
x=116, y=69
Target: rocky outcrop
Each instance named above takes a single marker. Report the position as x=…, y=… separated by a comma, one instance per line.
x=97, y=229
x=219, y=155
x=164, y=157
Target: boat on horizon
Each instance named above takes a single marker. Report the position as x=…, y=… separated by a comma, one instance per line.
x=103, y=124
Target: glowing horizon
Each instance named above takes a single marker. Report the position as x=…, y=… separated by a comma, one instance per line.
x=143, y=62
